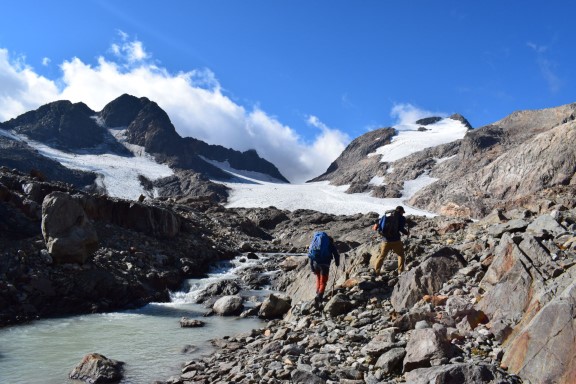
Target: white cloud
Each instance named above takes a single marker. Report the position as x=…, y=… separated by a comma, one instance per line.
x=407, y=113
x=46, y=61
x=22, y=89
x=547, y=67
x=193, y=100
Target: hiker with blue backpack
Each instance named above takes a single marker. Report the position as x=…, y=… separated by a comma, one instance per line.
x=390, y=225
x=321, y=252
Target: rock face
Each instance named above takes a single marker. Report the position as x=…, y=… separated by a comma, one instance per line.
x=96, y=368
x=353, y=166
x=499, y=165
x=69, y=235
x=544, y=350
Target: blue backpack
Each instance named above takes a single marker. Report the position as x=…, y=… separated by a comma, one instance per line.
x=319, y=250
x=388, y=224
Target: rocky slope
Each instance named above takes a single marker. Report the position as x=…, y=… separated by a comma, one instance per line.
x=482, y=302
x=488, y=301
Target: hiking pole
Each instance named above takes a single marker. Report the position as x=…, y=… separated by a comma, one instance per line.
x=334, y=280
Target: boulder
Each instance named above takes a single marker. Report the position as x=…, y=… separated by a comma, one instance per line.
x=96, y=368
x=228, y=305
x=545, y=225
x=68, y=233
x=299, y=376
x=510, y=283
x=275, y=306
x=220, y=288
x=339, y=304
x=426, y=279
x=391, y=360
x=427, y=347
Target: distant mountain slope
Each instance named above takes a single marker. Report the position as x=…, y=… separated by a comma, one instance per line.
x=15, y=154
x=124, y=123
x=369, y=162
x=515, y=157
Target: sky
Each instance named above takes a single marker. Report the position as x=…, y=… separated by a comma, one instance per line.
x=296, y=80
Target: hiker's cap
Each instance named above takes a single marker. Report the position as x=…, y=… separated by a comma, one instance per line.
x=400, y=209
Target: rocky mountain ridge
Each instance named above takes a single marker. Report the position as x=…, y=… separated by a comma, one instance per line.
x=510, y=160
x=74, y=127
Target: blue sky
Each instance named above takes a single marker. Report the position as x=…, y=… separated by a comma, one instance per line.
x=297, y=80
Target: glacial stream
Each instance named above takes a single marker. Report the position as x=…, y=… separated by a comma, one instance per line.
x=149, y=339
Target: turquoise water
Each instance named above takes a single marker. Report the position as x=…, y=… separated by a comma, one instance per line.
x=149, y=340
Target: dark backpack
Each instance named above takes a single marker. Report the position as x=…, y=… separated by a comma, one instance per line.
x=319, y=250
x=388, y=226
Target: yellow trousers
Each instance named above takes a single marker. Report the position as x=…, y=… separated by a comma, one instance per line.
x=386, y=247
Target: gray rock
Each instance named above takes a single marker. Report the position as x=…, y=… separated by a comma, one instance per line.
x=391, y=360
x=96, y=368
x=304, y=377
x=338, y=305
x=228, y=305
x=427, y=347
x=544, y=351
x=545, y=225
x=515, y=225
x=185, y=322
x=275, y=306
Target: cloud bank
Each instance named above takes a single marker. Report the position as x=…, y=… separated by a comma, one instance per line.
x=193, y=100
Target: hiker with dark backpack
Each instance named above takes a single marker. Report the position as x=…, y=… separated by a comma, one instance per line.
x=390, y=225
x=321, y=252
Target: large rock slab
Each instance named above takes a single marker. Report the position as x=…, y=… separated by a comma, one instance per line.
x=513, y=281
x=545, y=350
x=426, y=279
x=68, y=233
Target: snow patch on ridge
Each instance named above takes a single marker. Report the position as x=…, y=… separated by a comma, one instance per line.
x=118, y=174
x=410, y=140
x=241, y=175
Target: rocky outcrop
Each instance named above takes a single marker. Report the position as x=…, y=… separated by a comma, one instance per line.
x=96, y=368
x=354, y=166
x=426, y=279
